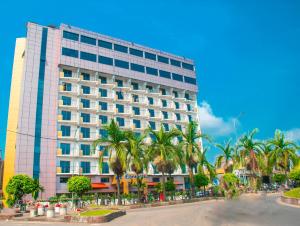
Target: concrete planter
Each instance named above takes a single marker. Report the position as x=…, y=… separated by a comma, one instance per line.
x=292, y=201
x=33, y=212
x=56, y=209
x=41, y=211
x=50, y=213
x=100, y=219
x=63, y=211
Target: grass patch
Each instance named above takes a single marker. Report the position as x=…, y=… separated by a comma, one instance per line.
x=94, y=213
x=294, y=193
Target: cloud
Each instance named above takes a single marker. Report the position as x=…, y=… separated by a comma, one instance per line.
x=293, y=134
x=214, y=125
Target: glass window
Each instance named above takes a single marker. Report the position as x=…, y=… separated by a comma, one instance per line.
x=65, y=148
x=63, y=180
x=135, y=86
x=137, y=67
x=86, y=76
x=66, y=100
x=119, y=83
x=105, y=60
x=120, y=121
x=120, y=95
x=166, y=126
x=165, y=114
x=66, y=115
x=190, y=118
x=136, y=52
x=164, y=74
x=175, y=94
x=67, y=87
x=188, y=106
x=85, y=167
x=187, y=66
x=152, y=125
x=187, y=96
x=103, y=80
x=103, y=133
x=121, y=48
x=136, y=110
x=190, y=80
x=85, y=132
x=103, y=92
x=164, y=103
x=85, y=103
x=176, y=105
x=121, y=64
x=103, y=119
x=179, y=127
x=69, y=52
x=151, y=71
x=150, y=56
x=71, y=35
x=156, y=179
x=149, y=88
x=66, y=130
x=86, y=149
x=162, y=59
x=175, y=63
x=65, y=166
x=88, y=56
x=135, y=98
x=104, y=44
x=105, y=169
x=85, y=117
x=177, y=77
x=150, y=101
x=86, y=89
x=178, y=118
x=151, y=112
x=67, y=73
x=136, y=123
x=103, y=106
x=104, y=179
x=120, y=108
x=87, y=40
x=163, y=91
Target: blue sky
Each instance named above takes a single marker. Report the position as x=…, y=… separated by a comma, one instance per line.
x=247, y=52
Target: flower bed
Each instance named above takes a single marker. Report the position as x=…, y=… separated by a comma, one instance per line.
x=292, y=197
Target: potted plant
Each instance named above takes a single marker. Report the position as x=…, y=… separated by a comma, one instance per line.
x=57, y=207
x=63, y=210
x=50, y=212
x=33, y=211
x=40, y=209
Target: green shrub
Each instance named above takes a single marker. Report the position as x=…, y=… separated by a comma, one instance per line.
x=279, y=178
x=294, y=193
x=230, y=185
x=79, y=185
x=201, y=180
x=294, y=175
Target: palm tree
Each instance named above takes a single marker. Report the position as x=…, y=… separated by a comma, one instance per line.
x=283, y=153
x=162, y=151
x=249, y=149
x=226, y=157
x=191, y=149
x=116, y=146
x=265, y=164
x=137, y=158
x=204, y=164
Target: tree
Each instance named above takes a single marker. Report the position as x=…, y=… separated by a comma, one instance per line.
x=230, y=185
x=201, y=180
x=294, y=175
x=116, y=145
x=226, y=158
x=17, y=187
x=37, y=189
x=204, y=164
x=191, y=149
x=279, y=178
x=79, y=185
x=162, y=150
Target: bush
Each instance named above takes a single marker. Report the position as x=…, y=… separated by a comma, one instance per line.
x=294, y=193
x=294, y=175
x=279, y=178
x=79, y=185
x=230, y=185
x=170, y=186
x=201, y=180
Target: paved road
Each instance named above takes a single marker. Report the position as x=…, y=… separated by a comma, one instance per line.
x=247, y=210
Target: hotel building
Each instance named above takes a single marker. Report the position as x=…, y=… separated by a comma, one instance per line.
x=68, y=82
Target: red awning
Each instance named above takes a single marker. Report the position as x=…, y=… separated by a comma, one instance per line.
x=99, y=185
x=152, y=183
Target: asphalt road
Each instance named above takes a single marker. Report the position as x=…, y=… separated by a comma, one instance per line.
x=247, y=210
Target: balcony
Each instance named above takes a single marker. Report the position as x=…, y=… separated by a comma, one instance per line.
x=126, y=98
x=125, y=87
x=91, y=82
x=143, y=114
x=94, y=154
x=67, y=138
x=171, y=118
x=72, y=92
x=110, y=96
x=93, y=122
x=93, y=136
x=92, y=95
x=170, y=106
x=62, y=77
x=110, y=109
x=73, y=120
x=127, y=111
x=93, y=108
x=72, y=106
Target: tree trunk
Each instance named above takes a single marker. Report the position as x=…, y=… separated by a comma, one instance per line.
x=191, y=174
x=163, y=185
x=118, y=191
x=139, y=185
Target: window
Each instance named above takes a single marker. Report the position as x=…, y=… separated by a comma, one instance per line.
x=135, y=98
x=149, y=88
x=103, y=92
x=70, y=35
x=155, y=179
x=69, y=52
x=105, y=169
x=120, y=108
x=179, y=127
x=135, y=86
x=88, y=56
x=163, y=92
x=166, y=126
x=85, y=132
x=190, y=118
x=67, y=87
x=86, y=89
x=187, y=96
x=151, y=71
x=85, y=167
x=162, y=59
x=65, y=148
x=137, y=67
x=190, y=80
x=66, y=131
x=175, y=63
x=85, y=103
x=104, y=150
x=103, y=106
x=120, y=48
x=150, y=101
x=65, y=166
x=136, y=52
x=165, y=114
x=86, y=76
x=86, y=149
x=121, y=64
x=63, y=180
x=136, y=123
x=66, y=115
x=119, y=83
x=187, y=66
x=136, y=110
x=104, y=44
x=188, y=106
x=103, y=119
x=152, y=125
x=164, y=74
x=164, y=103
x=175, y=94
x=103, y=80
x=104, y=179
x=150, y=56
x=120, y=95
x=88, y=40
x=103, y=133
x=177, y=77
x=66, y=100
x=178, y=118
x=105, y=60
x=120, y=121
x=176, y=105
x=67, y=73
x=151, y=112
x=85, y=117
